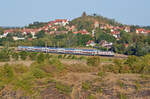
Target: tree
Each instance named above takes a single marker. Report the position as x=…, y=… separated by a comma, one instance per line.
x=40, y=58
x=15, y=56
x=23, y=55
x=100, y=35
x=40, y=34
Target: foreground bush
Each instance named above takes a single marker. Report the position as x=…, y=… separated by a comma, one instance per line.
x=5, y=55
x=93, y=61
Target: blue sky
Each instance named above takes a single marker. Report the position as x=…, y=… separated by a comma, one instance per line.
x=23, y=12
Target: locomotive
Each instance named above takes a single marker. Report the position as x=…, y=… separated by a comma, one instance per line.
x=90, y=52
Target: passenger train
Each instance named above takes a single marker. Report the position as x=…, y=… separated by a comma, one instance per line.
x=90, y=52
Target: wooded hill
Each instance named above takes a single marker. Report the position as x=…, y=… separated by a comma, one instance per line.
x=87, y=21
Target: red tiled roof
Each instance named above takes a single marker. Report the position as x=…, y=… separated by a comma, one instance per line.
x=140, y=30
x=115, y=32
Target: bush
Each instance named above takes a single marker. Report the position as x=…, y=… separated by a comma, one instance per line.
x=122, y=96
x=20, y=68
x=23, y=55
x=93, y=61
x=59, y=56
x=38, y=73
x=69, y=56
x=47, y=56
x=86, y=85
x=92, y=97
x=40, y=58
x=63, y=88
x=73, y=57
x=101, y=74
x=65, y=56
x=15, y=56
x=33, y=55
x=6, y=73
x=25, y=83
x=4, y=55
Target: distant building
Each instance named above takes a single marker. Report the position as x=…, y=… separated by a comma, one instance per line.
x=17, y=38
x=106, y=44
x=93, y=33
x=127, y=29
x=90, y=43
x=62, y=22
x=83, y=32
x=96, y=24
x=116, y=34
x=141, y=31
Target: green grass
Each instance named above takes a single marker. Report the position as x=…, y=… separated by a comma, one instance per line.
x=86, y=85
x=63, y=88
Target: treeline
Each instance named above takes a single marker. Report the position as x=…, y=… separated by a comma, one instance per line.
x=132, y=44
x=62, y=40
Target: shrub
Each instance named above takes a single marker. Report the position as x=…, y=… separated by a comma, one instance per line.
x=118, y=65
x=65, y=56
x=47, y=56
x=137, y=85
x=73, y=57
x=20, y=68
x=15, y=56
x=33, y=55
x=92, y=97
x=4, y=55
x=63, y=88
x=121, y=84
x=40, y=58
x=69, y=56
x=23, y=55
x=93, y=61
x=86, y=85
x=59, y=56
x=38, y=73
x=122, y=96
x=6, y=73
x=101, y=73
x=81, y=58
x=25, y=83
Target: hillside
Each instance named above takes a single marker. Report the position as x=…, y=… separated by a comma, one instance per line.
x=87, y=21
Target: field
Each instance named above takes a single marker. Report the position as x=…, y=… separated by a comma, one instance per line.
x=52, y=76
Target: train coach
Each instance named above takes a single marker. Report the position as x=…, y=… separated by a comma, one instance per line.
x=91, y=52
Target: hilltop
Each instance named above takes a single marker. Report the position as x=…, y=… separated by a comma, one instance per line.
x=87, y=21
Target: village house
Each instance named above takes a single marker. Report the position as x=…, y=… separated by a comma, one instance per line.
x=83, y=32
x=127, y=29
x=18, y=38
x=90, y=43
x=62, y=22
x=116, y=34
x=96, y=24
x=141, y=31
x=106, y=44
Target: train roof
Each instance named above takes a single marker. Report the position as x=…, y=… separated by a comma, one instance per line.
x=61, y=48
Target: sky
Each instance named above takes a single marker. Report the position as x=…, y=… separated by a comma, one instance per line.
x=24, y=12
